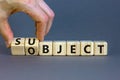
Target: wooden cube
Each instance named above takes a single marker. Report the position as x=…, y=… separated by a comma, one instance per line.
x=73, y=48
x=45, y=48
x=59, y=48
x=100, y=48
x=31, y=46
x=17, y=46
x=87, y=48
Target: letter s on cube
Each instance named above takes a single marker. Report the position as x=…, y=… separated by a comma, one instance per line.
x=17, y=46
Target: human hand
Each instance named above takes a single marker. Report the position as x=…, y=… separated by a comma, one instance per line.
x=37, y=9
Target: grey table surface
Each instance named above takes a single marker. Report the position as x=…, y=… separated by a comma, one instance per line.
x=75, y=20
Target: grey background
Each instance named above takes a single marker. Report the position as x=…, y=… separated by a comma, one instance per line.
x=75, y=20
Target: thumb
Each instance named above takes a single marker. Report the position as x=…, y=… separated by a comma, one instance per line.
x=6, y=32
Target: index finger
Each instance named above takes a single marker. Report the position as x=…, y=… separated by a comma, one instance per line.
x=40, y=19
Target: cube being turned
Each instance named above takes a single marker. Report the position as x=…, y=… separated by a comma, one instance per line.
x=100, y=48
x=17, y=46
x=31, y=46
x=59, y=48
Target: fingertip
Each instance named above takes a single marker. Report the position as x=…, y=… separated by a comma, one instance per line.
x=40, y=31
x=8, y=43
x=9, y=40
x=40, y=37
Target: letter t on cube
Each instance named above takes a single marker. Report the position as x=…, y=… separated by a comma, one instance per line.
x=100, y=48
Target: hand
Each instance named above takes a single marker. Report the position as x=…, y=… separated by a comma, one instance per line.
x=37, y=9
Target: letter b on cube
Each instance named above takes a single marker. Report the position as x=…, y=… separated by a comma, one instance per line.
x=45, y=48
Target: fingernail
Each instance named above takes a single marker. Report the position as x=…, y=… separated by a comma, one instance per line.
x=8, y=44
x=40, y=38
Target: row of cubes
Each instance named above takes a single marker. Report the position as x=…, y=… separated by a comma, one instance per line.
x=32, y=46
